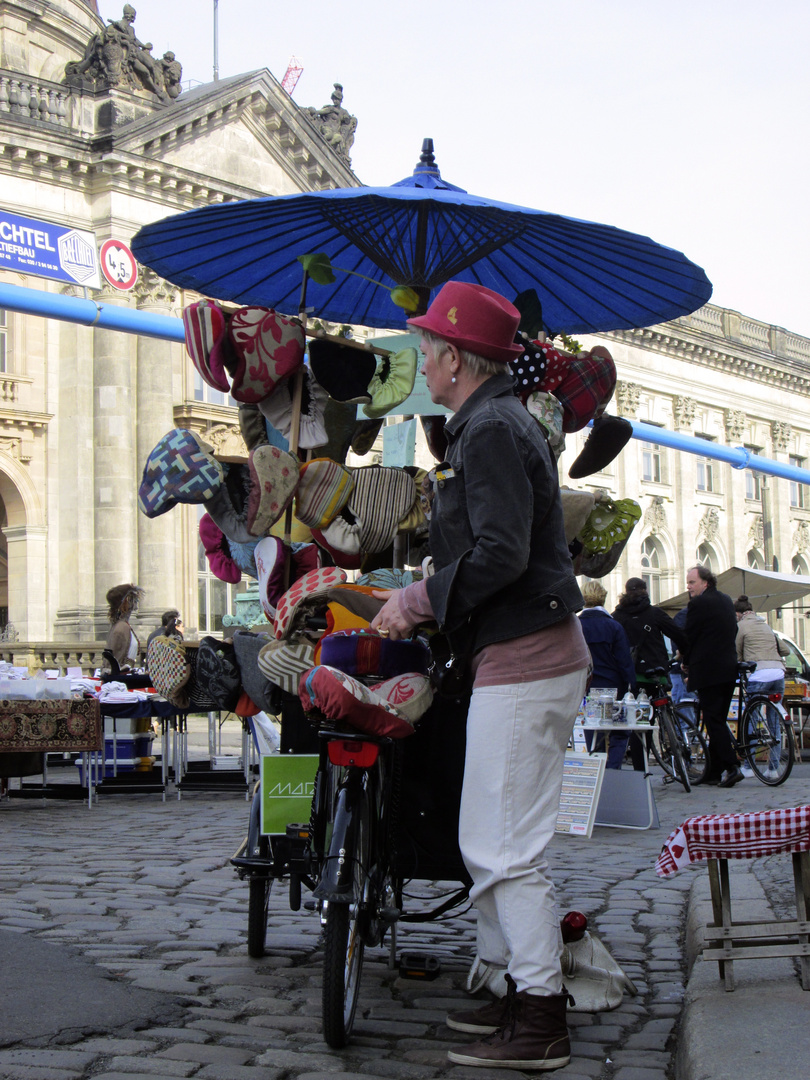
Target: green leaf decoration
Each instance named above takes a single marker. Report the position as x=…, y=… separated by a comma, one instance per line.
x=318, y=267
x=405, y=297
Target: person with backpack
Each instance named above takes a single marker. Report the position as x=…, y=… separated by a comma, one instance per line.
x=646, y=626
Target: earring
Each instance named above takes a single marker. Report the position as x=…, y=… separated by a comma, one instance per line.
x=452, y=378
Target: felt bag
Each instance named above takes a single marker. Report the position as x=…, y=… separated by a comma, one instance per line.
x=217, y=672
x=169, y=669
x=593, y=978
x=254, y=682
x=199, y=700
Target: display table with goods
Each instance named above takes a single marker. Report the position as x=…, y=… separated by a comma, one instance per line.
x=128, y=764
x=30, y=726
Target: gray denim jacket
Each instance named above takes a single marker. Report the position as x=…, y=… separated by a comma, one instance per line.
x=496, y=532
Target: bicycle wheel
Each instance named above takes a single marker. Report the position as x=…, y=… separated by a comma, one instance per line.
x=694, y=748
x=766, y=739
x=344, y=941
x=668, y=752
x=258, y=906
x=659, y=744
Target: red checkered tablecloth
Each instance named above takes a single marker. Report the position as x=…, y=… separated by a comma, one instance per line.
x=735, y=836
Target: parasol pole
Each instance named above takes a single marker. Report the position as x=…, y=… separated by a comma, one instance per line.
x=295, y=429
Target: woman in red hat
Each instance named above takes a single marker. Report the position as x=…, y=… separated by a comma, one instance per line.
x=504, y=593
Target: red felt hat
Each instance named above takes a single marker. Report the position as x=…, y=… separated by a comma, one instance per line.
x=474, y=318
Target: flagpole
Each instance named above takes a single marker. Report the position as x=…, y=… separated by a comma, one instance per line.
x=216, y=42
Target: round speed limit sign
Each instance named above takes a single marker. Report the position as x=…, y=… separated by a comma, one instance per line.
x=118, y=264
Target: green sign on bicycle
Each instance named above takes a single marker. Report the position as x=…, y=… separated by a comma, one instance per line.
x=288, y=781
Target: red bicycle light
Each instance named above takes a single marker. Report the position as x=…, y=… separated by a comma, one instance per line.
x=348, y=752
x=774, y=697
x=659, y=702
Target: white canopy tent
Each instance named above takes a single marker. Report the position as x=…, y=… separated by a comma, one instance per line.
x=765, y=589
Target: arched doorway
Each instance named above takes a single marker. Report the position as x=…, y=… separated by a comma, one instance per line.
x=24, y=551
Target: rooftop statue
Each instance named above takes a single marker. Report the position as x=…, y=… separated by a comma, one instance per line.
x=335, y=124
x=115, y=57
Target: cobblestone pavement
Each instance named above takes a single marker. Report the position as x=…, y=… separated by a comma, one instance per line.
x=144, y=890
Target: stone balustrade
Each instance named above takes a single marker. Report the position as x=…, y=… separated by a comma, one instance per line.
x=33, y=99
x=53, y=654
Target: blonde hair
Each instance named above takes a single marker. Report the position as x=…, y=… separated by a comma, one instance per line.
x=594, y=594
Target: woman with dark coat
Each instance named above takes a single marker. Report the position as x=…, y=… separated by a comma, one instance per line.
x=612, y=662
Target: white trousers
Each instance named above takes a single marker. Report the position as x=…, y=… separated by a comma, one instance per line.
x=516, y=741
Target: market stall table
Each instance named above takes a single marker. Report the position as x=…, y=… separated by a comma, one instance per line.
x=61, y=725
x=173, y=750
x=717, y=838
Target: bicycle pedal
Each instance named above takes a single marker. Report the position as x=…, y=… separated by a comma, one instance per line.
x=419, y=966
x=310, y=905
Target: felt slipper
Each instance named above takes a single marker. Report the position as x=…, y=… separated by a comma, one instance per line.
x=576, y=506
x=308, y=593
x=269, y=347
x=433, y=427
x=587, y=387
x=207, y=343
x=342, y=370
x=217, y=552
x=392, y=382
x=228, y=506
x=274, y=478
x=270, y=559
x=608, y=437
x=277, y=411
x=180, y=469
x=253, y=427
x=379, y=501
x=323, y=490
x=341, y=541
x=284, y=662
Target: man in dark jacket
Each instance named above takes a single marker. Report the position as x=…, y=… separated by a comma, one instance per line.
x=710, y=663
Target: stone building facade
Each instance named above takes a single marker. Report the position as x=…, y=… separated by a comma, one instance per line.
x=734, y=381
x=81, y=408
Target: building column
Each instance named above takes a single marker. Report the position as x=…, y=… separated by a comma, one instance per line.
x=154, y=400
x=114, y=466
x=27, y=598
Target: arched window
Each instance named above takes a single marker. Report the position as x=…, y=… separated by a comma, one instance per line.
x=653, y=563
x=755, y=560
x=707, y=557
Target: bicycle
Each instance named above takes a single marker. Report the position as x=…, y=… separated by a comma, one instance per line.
x=677, y=743
x=764, y=738
x=362, y=843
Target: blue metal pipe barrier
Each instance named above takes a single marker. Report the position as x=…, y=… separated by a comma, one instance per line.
x=146, y=324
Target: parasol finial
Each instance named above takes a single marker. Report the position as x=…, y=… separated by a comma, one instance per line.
x=427, y=162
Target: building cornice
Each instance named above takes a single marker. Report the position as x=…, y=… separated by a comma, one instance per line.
x=721, y=339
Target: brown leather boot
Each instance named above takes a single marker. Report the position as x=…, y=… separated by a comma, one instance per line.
x=484, y=1020
x=534, y=1036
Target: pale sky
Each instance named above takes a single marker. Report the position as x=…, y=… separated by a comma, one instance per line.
x=687, y=122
